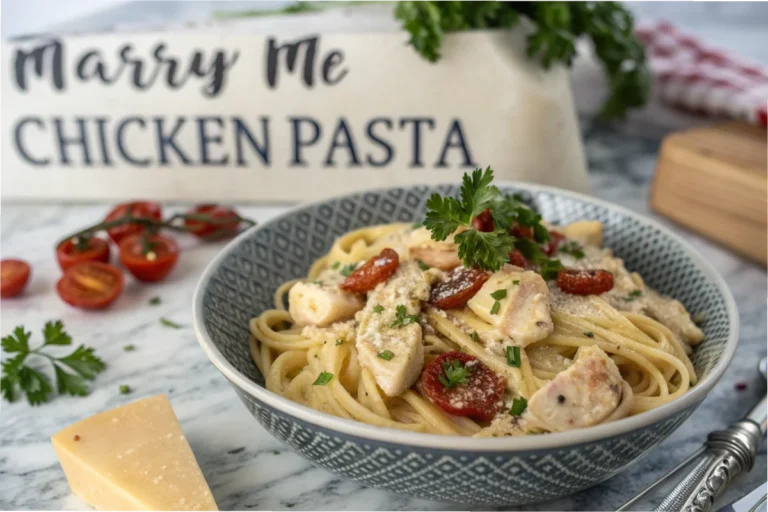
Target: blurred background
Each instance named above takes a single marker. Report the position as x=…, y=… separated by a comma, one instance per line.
x=714, y=21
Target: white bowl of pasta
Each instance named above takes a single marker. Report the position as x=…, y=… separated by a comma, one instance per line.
x=519, y=345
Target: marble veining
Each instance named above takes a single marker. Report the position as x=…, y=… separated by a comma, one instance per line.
x=245, y=467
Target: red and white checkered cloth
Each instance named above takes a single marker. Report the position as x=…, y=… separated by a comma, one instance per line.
x=693, y=76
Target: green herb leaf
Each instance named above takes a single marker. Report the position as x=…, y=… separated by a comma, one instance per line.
x=386, y=355
x=475, y=337
x=54, y=334
x=346, y=270
x=154, y=301
x=634, y=294
x=485, y=251
x=124, y=389
x=496, y=307
x=556, y=28
x=336, y=265
x=378, y=309
x=129, y=348
x=35, y=385
x=402, y=317
x=8, y=388
x=423, y=266
x=169, y=323
x=516, y=282
x=70, y=383
x=339, y=342
x=499, y=294
x=549, y=268
x=519, y=405
x=573, y=248
x=16, y=342
x=513, y=357
x=323, y=379
x=84, y=362
x=454, y=373
x=589, y=334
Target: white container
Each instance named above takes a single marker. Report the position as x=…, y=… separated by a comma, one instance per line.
x=360, y=109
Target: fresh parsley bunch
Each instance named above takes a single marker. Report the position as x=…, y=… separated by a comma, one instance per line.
x=558, y=26
x=71, y=371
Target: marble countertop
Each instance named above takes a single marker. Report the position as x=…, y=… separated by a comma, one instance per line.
x=245, y=467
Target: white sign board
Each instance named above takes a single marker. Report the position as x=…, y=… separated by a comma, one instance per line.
x=276, y=117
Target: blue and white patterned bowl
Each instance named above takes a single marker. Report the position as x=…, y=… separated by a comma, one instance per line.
x=240, y=283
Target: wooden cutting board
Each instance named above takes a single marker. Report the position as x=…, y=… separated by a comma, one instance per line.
x=714, y=180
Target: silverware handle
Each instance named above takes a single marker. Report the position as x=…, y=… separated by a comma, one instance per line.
x=729, y=452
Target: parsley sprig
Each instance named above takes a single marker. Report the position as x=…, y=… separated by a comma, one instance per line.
x=403, y=318
x=454, y=373
x=557, y=28
x=489, y=250
x=71, y=371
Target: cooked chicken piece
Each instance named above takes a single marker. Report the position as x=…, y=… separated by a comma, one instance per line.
x=322, y=303
x=443, y=255
x=585, y=394
x=673, y=314
x=389, y=342
x=523, y=311
x=587, y=232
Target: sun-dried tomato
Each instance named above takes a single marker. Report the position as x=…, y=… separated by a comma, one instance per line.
x=584, y=282
x=484, y=221
x=462, y=284
x=376, y=270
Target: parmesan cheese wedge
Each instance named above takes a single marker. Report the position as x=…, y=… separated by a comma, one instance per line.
x=134, y=457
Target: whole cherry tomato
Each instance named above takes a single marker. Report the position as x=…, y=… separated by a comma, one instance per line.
x=69, y=253
x=143, y=209
x=14, y=275
x=218, y=215
x=90, y=285
x=149, y=257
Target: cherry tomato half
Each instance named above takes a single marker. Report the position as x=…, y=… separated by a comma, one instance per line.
x=90, y=285
x=68, y=253
x=14, y=275
x=154, y=264
x=144, y=209
x=218, y=215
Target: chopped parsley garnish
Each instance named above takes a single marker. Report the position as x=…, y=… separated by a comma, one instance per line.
x=513, y=357
x=169, y=323
x=499, y=294
x=318, y=282
x=336, y=265
x=454, y=373
x=402, y=318
x=573, y=248
x=519, y=405
x=496, y=307
x=339, y=342
x=129, y=348
x=323, y=379
x=124, y=389
x=154, y=301
x=378, y=309
x=422, y=265
x=346, y=270
x=475, y=337
x=71, y=371
x=516, y=282
x=589, y=334
x=633, y=295
x=386, y=355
